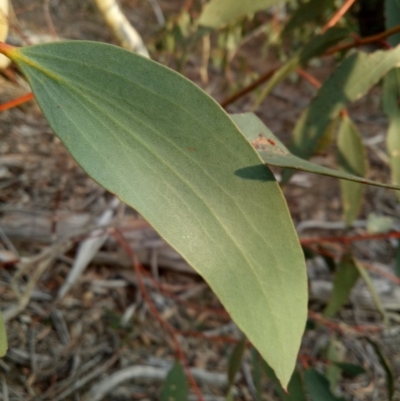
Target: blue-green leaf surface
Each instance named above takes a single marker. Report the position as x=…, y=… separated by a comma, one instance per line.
x=166, y=148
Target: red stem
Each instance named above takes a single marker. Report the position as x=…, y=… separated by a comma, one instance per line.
x=16, y=102
x=137, y=267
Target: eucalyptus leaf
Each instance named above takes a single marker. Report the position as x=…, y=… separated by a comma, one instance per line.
x=374, y=295
x=318, y=387
x=352, y=159
x=235, y=361
x=176, y=386
x=307, y=12
x=346, y=277
x=295, y=390
x=397, y=260
x=351, y=80
x=392, y=19
x=3, y=337
x=164, y=147
x=350, y=369
x=335, y=352
x=387, y=367
x=257, y=373
x=379, y=224
x=218, y=13
x=391, y=94
x=312, y=49
x=275, y=153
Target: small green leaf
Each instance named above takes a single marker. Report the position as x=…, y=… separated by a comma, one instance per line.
x=387, y=367
x=350, y=81
x=328, y=137
x=309, y=11
x=164, y=147
x=379, y=224
x=275, y=153
x=397, y=260
x=218, y=13
x=335, y=352
x=176, y=386
x=3, y=337
x=235, y=360
x=318, y=387
x=370, y=285
x=350, y=369
x=391, y=96
x=352, y=159
x=346, y=277
x=392, y=19
x=312, y=49
x=295, y=389
x=257, y=372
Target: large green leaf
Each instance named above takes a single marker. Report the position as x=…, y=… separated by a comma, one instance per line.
x=275, y=153
x=218, y=13
x=392, y=19
x=166, y=148
x=176, y=386
x=352, y=159
x=391, y=95
x=350, y=81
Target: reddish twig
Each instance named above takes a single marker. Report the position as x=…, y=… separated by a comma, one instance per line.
x=16, y=102
x=362, y=42
x=381, y=272
x=247, y=89
x=188, y=5
x=138, y=268
x=312, y=80
x=335, y=49
x=349, y=239
x=343, y=328
x=339, y=14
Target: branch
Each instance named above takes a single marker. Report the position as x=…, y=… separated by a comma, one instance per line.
x=121, y=28
x=341, y=47
x=339, y=14
x=365, y=41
